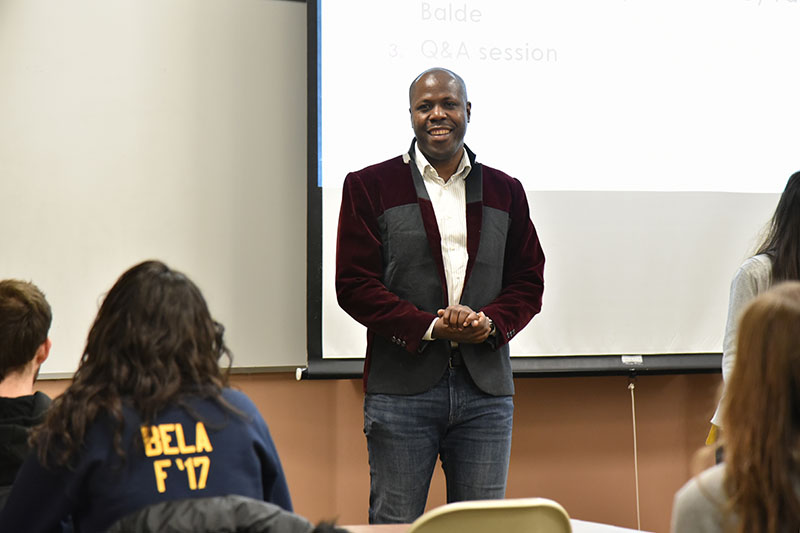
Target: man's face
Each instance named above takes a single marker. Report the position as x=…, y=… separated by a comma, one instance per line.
x=439, y=116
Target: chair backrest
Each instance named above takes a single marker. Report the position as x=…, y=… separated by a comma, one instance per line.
x=523, y=515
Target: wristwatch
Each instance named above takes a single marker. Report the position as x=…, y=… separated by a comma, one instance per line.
x=492, y=329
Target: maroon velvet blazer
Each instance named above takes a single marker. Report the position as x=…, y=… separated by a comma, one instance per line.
x=390, y=274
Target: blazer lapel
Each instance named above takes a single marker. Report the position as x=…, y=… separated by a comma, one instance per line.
x=474, y=192
x=428, y=218
x=474, y=201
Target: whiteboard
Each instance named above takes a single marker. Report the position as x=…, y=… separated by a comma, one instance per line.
x=139, y=129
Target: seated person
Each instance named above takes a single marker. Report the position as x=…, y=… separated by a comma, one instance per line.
x=757, y=489
x=148, y=417
x=25, y=318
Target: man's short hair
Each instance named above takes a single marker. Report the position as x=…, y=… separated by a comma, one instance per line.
x=25, y=318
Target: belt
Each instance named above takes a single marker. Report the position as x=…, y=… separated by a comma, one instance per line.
x=455, y=358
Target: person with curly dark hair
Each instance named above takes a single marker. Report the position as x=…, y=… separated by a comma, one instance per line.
x=148, y=418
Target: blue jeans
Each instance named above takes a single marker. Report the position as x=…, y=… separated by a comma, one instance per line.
x=468, y=429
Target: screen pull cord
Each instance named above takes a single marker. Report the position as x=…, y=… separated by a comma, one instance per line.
x=632, y=388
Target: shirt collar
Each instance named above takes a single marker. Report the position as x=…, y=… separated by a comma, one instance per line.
x=423, y=165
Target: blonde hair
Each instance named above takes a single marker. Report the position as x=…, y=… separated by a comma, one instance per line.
x=762, y=414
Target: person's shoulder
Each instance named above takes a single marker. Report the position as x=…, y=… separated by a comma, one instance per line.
x=41, y=399
x=502, y=191
x=760, y=261
x=496, y=174
x=381, y=169
x=387, y=184
x=756, y=266
x=239, y=400
x=700, y=504
x=41, y=403
x=702, y=499
x=711, y=481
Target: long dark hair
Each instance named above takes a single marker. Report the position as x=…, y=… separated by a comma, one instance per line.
x=762, y=415
x=782, y=243
x=152, y=344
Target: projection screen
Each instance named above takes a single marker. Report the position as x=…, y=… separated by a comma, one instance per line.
x=652, y=138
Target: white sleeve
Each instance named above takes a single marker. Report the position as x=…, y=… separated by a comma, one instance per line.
x=744, y=288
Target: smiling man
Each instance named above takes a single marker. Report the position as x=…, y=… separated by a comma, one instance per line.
x=437, y=256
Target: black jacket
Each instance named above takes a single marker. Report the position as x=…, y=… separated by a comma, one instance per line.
x=222, y=514
x=17, y=417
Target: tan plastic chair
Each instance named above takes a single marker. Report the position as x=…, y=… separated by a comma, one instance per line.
x=523, y=515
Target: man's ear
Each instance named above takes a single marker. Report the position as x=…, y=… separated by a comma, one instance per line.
x=469, y=110
x=43, y=351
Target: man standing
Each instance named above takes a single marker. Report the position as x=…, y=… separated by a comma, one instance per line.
x=25, y=318
x=438, y=258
